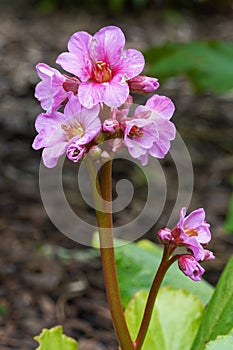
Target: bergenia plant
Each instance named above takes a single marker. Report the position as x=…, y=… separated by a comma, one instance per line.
x=88, y=117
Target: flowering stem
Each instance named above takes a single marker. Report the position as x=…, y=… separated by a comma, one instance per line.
x=163, y=267
x=104, y=219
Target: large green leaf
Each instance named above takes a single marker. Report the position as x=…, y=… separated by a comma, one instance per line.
x=222, y=342
x=137, y=264
x=51, y=339
x=175, y=319
x=218, y=317
x=207, y=63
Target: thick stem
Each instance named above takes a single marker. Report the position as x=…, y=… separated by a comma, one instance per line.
x=163, y=267
x=104, y=218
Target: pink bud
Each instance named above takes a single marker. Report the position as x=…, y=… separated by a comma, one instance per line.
x=110, y=125
x=165, y=235
x=143, y=84
x=190, y=267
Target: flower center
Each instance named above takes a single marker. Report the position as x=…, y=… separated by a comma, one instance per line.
x=101, y=72
x=135, y=131
x=73, y=129
x=191, y=232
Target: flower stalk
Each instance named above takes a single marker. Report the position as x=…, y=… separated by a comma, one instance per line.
x=103, y=188
x=163, y=267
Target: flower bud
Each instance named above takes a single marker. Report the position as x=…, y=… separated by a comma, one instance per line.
x=110, y=125
x=190, y=267
x=143, y=84
x=165, y=235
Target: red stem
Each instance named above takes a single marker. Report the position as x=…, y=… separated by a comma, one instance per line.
x=104, y=219
x=163, y=267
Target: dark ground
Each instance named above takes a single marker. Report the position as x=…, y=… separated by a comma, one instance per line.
x=39, y=290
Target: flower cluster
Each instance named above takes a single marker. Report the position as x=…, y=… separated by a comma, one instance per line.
x=102, y=74
x=191, y=232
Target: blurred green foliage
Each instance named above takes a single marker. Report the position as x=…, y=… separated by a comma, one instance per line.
x=208, y=64
x=120, y=6
x=229, y=219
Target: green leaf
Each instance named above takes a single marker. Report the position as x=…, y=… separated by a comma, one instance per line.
x=137, y=264
x=53, y=338
x=229, y=219
x=222, y=342
x=175, y=319
x=208, y=64
x=218, y=317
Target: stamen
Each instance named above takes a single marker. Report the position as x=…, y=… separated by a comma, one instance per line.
x=73, y=129
x=135, y=131
x=101, y=72
x=191, y=232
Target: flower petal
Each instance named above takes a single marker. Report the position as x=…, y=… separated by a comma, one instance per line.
x=132, y=64
x=115, y=93
x=109, y=42
x=90, y=94
x=78, y=65
x=194, y=219
x=79, y=43
x=51, y=155
x=162, y=105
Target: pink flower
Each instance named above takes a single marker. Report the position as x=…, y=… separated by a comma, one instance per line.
x=150, y=131
x=66, y=132
x=193, y=231
x=53, y=90
x=143, y=84
x=102, y=65
x=190, y=267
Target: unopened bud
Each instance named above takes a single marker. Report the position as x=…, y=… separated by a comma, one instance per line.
x=143, y=84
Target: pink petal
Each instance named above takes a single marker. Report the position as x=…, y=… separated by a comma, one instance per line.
x=79, y=44
x=90, y=94
x=158, y=150
x=73, y=106
x=109, y=44
x=162, y=105
x=132, y=64
x=75, y=64
x=115, y=93
x=44, y=121
x=51, y=155
x=194, y=219
x=44, y=70
x=143, y=159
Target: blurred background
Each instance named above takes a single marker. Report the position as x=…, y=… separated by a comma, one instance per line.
x=45, y=278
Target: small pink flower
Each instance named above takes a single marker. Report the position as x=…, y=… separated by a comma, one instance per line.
x=150, y=131
x=66, y=132
x=142, y=84
x=102, y=65
x=53, y=90
x=193, y=231
x=190, y=267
